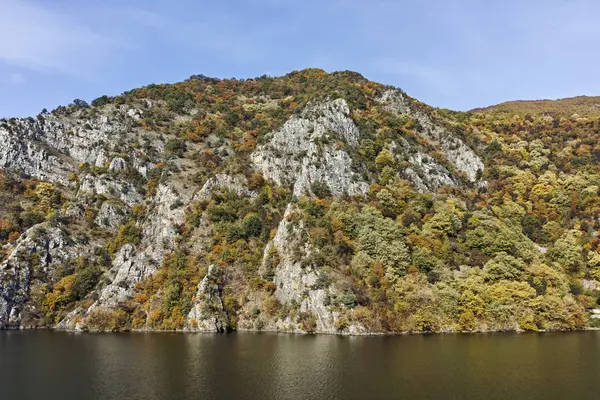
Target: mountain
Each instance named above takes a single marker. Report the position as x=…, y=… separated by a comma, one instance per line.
x=311, y=202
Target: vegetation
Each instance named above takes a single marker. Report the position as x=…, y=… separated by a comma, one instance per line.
x=518, y=250
x=23, y=204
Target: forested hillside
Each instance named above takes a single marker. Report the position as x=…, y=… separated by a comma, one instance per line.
x=311, y=202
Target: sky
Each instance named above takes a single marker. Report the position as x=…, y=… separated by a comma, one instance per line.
x=457, y=54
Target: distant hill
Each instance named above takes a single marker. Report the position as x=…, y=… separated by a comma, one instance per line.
x=585, y=106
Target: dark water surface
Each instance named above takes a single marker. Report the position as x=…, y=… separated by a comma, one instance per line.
x=56, y=365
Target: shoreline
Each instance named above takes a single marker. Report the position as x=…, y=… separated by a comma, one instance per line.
x=300, y=333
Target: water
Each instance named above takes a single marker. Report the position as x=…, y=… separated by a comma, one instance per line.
x=56, y=365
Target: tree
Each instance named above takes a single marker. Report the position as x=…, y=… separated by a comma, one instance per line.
x=252, y=225
x=86, y=278
x=504, y=267
x=493, y=148
x=385, y=158
x=566, y=252
x=444, y=221
x=425, y=260
x=128, y=233
x=349, y=299
x=320, y=189
x=532, y=227
x=101, y=101
x=594, y=266
x=382, y=240
x=80, y=103
x=177, y=99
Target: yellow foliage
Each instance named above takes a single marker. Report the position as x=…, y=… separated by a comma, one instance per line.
x=60, y=295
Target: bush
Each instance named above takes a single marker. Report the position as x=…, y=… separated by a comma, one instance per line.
x=308, y=322
x=86, y=280
x=60, y=296
x=103, y=320
x=320, y=189
x=128, y=233
x=252, y=225
x=101, y=101
x=80, y=103
x=175, y=147
x=177, y=99
x=349, y=299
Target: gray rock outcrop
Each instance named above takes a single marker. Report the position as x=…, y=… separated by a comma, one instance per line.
x=33, y=261
x=208, y=313
x=297, y=283
x=304, y=151
x=455, y=150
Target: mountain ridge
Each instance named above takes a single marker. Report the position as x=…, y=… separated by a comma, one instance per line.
x=584, y=105
x=311, y=202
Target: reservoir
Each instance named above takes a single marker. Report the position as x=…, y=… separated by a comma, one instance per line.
x=57, y=365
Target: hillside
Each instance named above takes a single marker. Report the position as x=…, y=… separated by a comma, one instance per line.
x=311, y=202
x=583, y=106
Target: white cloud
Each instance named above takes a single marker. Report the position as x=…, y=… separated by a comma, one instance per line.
x=35, y=37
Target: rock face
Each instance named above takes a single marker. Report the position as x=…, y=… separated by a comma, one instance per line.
x=31, y=158
x=127, y=269
x=33, y=262
x=111, y=215
x=455, y=150
x=117, y=164
x=425, y=173
x=132, y=264
x=306, y=150
x=297, y=283
x=125, y=191
x=116, y=173
x=236, y=183
x=208, y=313
x=51, y=146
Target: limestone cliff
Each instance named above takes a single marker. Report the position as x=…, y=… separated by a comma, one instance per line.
x=309, y=203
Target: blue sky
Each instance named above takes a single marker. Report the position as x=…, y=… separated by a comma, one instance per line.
x=456, y=54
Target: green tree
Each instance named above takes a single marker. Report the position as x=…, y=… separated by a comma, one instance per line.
x=385, y=158
x=504, y=267
x=320, y=189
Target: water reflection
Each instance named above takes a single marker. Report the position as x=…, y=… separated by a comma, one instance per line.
x=54, y=365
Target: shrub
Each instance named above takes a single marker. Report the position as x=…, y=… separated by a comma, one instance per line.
x=252, y=225
x=349, y=299
x=86, y=280
x=175, y=147
x=308, y=322
x=101, y=101
x=103, y=320
x=320, y=189
x=128, y=233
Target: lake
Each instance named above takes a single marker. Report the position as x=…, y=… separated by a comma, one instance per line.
x=56, y=365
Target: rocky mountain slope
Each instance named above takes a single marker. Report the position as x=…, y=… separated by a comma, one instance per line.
x=312, y=202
